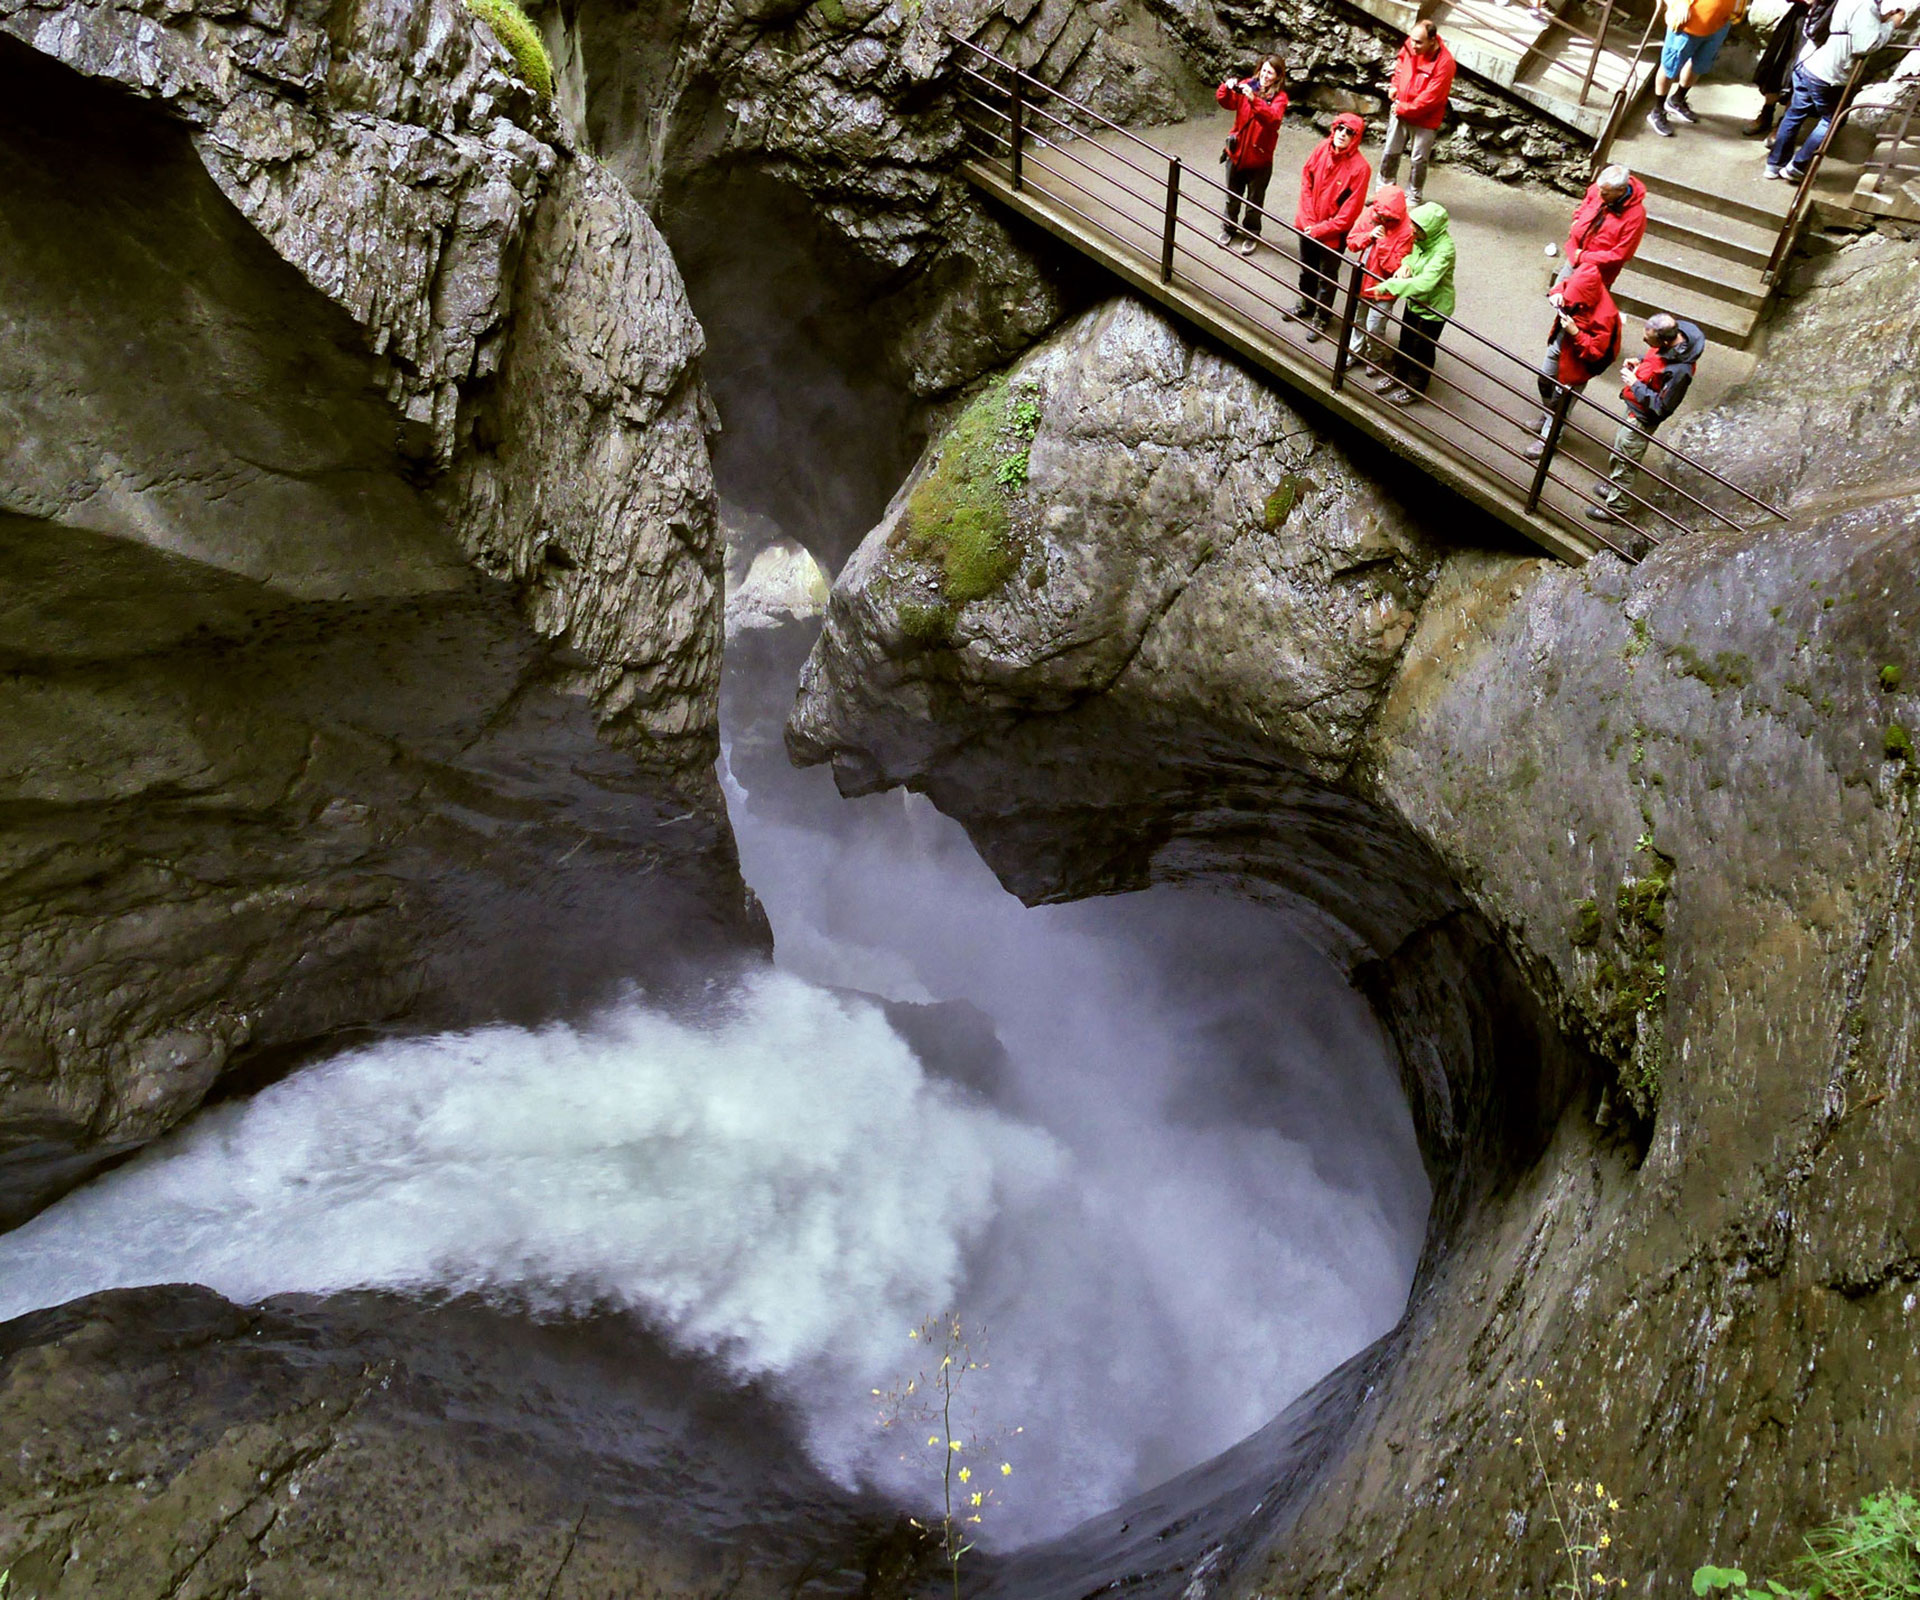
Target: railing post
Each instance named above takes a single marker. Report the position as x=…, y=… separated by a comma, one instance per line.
x=1562, y=403
x=1019, y=120
x=1599, y=40
x=1173, y=214
x=1348, y=311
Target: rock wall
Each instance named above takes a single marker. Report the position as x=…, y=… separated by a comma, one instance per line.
x=1674, y=806
x=363, y=588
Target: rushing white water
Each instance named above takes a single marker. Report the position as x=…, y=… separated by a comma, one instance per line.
x=1175, y=1176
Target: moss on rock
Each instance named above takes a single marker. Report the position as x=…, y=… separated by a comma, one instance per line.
x=515, y=29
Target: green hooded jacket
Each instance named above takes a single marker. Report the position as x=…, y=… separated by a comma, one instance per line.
x=1426, y=276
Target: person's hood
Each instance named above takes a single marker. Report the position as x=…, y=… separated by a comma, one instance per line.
x=1390, y=204
x=1583, y=289
x=1692, y=345
x=1355, y=125
x=1430, y=218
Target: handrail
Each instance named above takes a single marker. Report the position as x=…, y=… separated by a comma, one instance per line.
x=1624, y=96
x=1599, y=39
x=1883, y=169
x=1158, y=249
x=1803, y=194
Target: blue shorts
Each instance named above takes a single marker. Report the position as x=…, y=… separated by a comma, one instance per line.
x=1699, y=49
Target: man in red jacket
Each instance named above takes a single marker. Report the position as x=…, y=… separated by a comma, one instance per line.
x=1608, y=225
x=1333, y=187
x=1257, y=103
x=1582, y=343
x=1422, y=80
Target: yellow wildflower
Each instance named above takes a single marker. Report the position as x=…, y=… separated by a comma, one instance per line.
x=933, y=1438
x=975, y=1498
x=1006, y=1469
x=966, y=1474
x=953, y=1444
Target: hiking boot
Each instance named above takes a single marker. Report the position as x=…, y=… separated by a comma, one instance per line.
x=1600, y=514
x=1677, y=107
x=1316, y=330
x=1657, y=120
x=1405, y=397
x=1759, y=128
x=1536, y=450
x=1383, y=382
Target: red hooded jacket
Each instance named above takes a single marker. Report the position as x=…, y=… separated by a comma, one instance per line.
x=1421, y=85
x=1333, y=186
x=1590, y=349
x=1256, y=123
x=1606, y=236
x=1381, y=257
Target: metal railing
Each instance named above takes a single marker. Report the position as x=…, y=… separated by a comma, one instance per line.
x=1623, y=98
x=1885, y=163
x=1138, y=200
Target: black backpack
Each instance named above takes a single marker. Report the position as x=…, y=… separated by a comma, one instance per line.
x=1819, y=21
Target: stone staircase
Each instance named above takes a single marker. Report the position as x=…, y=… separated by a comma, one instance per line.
x=1702, y=259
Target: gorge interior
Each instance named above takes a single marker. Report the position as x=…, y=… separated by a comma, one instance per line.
x=1156, y=1144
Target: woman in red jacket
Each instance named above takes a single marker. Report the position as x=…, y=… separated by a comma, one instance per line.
x=1257, y=103
x=1582, y=344
x=1381, y=238
x=1333, y=188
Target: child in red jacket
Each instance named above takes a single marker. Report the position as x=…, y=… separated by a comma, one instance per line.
x=1257, y=103
x=1582, y=343
x=1333, y=187
x=1381, y=238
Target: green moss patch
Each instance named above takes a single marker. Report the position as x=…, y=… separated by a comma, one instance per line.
x=1632, y=977
x=960, y=515
x=1897, y=742
x=1890, y=678
x=515, y=29
x=1284, y=498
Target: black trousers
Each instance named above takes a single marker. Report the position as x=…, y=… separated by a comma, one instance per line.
x=1250, y=183
x=1319, y=276
x=1420, y=332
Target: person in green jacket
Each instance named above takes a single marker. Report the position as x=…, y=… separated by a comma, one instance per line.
x=1424, y=287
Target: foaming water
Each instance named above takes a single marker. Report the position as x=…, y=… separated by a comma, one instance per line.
x=1161, y=1153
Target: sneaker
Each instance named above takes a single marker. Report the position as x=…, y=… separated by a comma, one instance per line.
x=1383, y=382
x=1536, y=450
x=1793, y=174
x=1600, y=514
x=1657, y=120
x=1678, y=107
x=1405, y=397
x=1772, y=171
x=1246, y=247
x=1315, y=332
x=1225, y=236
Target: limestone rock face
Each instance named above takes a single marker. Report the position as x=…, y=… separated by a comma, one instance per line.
x=1184, y=542
x=1626, y=857
x=309, y=314
x=175, y=1444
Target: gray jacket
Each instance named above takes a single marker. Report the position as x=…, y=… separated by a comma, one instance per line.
x=1857, y=31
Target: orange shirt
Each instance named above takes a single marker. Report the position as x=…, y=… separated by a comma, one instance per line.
x=1705, y=17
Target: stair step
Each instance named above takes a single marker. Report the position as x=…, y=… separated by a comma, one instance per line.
x=1713, y=276
x=1719, y=204
x=1723, y=324
x=1752, y=249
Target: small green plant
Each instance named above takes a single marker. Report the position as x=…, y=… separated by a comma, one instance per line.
x=1889, y=678
x=1283, y=499
x=1582, y=1513
x=1869, y=1554
x=1897, y=742
x=931, y=1399
x=515, y=30
x=960, y=513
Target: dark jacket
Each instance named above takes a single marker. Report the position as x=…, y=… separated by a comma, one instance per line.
x=1256, y=123
x=1659, y=382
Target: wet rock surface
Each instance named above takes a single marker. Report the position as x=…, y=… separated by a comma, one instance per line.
x=1627, y=857
x=279, y=761
x=170, y=1443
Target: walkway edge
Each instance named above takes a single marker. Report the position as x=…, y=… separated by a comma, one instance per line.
x=1302, y=376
